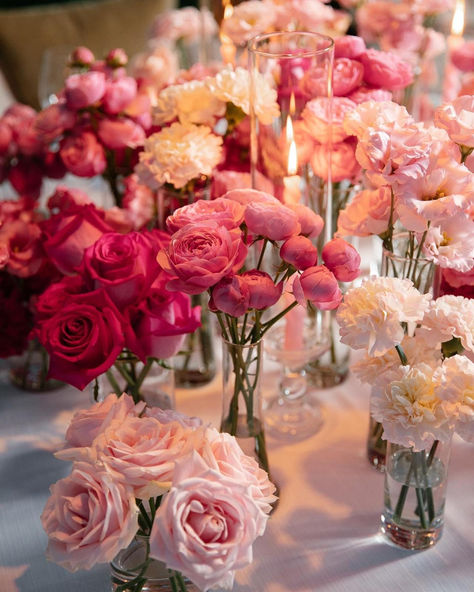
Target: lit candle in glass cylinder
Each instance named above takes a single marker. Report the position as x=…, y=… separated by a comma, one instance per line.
x=291, y=182
x=452, y=76
x=228, y=49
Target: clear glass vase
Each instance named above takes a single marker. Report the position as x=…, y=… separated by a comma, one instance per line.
x=415, y=493
x=29, y=371
x=132, y=570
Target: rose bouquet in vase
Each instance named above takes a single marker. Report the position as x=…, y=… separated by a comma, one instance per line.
x=170, y=504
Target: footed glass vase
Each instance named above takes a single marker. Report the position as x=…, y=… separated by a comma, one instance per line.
x=415, y=493
x=29, y=371
x=132, y=570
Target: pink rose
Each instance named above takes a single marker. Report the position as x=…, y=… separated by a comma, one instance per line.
x=118, y=94
x=83, y=155
x=343, y=161
x=89, y=518
x=263, y=291
x=83, y=90
x=365, y=93
x=386, y=70
x=83, y=338
x=201, y=255
x=56, y=296
x=272, y=221
x=319, y=286
x=120, y=133
x=206, y=525
x=231, y=296
x=226, y=212
x=310, y=222
x=349, y=46
x=65, y=197
x=342, y=259
x=139, y=201
x=300, y=252
x=347, y=76
x=52, y=121
x=463, y=56
x=248, y=196
x=124, y=265
x=320, y=124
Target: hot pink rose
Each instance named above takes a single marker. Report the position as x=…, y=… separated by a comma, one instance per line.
x=319, y=286
x=343, y=161
x=263, y=291
x=347, y=76
x=83, y=338
x=366, y=93
x=120, y=133
x=319, y=122
x=226, y=212
x=83, y=155
x=56, y=296
x=342, y=259
x=52, y=121
x=349, y=46
x=201, y=255
x=300, y=252
x=463, y=56
x=231, y=296
x=118, y=94
x=83, y=90
x=272, y=221
x=89, y=518
x=310, y=222
x=386, y=70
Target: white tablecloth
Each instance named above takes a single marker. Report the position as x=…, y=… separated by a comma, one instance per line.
x=324, y=535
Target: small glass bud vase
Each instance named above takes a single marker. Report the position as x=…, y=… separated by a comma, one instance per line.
x=415, y=493
x=29, y=371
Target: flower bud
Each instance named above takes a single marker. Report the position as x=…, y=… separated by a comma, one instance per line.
x=300, y=252
x=342, y=259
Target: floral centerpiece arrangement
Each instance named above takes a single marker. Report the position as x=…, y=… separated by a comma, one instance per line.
x=150, y=487
x=422, y=389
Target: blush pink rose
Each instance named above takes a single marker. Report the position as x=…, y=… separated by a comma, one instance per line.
x=349, y=46
x=319, y=122
x=386, y=70
x=120, y=133
x=263, y=290
x=119, y=93
x=272, y=221
x=342, y=259
x=83, y=90
x=300, y=252
x=347, y=76
x=366, y=93
x=343, y=161
x=318, y=285
x=89, y=518
x=310, y=222
x=53, y=121
x=82, y=155
x=202, y=255
x=231, y=296
x=463, y=56
x=227, y=212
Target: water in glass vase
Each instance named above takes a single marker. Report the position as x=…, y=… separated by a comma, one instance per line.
x=247, y=433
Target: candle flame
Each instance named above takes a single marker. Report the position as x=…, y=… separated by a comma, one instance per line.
x=292, y=104
x=228, y=12
x=292, y=155
x=457, y=27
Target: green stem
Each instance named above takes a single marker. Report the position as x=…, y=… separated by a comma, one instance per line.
x=112, y=381
x=401, y=355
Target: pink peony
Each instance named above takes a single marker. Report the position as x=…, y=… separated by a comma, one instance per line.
x=272, y=221
x=349, y=46
x=317, y=117
x=343, y=161
x=262, y=289
x=248, y=196
x=119, y=93
x=318, y=285
x=310, y=222
x=120, y=133
x=300, y=252
x=226, y=212
x=81, y=56
x=231, y=296
x=83, y=90
x=82, y=155
x=385, y=70
x=347, y=76
x=342, y=259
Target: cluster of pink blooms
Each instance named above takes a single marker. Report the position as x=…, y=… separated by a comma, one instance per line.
x=209, y=500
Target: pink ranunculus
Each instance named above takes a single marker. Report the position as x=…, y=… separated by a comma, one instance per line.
x=386, y=70
x=83, y=338
x=272, y=221
x=249, y=196
x=366, y=93
x=463, y=56
x=89, y=518
x=53, y=121
x=347, y=76
x=83, y=90
x=310, y=222
x=224, y=181
x=124, y=265
x=319, y=122
x=206, y=525
x=69, y=234
x=368, y=213
x=231, y=296
x=83, y=155
x=342, y=259
x=343, y=161
x=120, y=133
x=457, y=119
x=263, y=290
x=17, y=115
x=227, y=212
x=202, y=255
x=349, y=46
x=119, y=93
x=300, y=252
x=318, y=285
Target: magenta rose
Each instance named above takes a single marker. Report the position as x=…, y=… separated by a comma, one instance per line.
x=319, y=286
x=52, y=121
x=342, y=259
x=83, y=338
x=118, y=94
x=273, y=221
x=124, y=265
x=120, y=133
x=202, y=255
x=349, y=46
x=83, y=90
x=347, y=76
x=227, y=212
x=310, y=222
x=263, y=291
x=56, y=296
x=386, y=70
x=83, y=155
x=89, y=517
x=300, y=252
x=231, y=296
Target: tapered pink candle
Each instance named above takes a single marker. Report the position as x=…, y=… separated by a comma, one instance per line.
x=294, y=328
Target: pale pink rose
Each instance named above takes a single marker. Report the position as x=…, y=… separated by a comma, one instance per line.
x=227, y=212
x=463, y=56
x=366, y=93
x=119, y=93
x=52, y=121
x=385, y=70
x=89, y=518
x=343, y=161
x=83, y=90
x=120, y=133
x=82, y=155
x=206, y=525
x=451, y=243
x=368, y=213
x=171, y=415
x=300, y=252
x=231, y=296
x=342, y=259
x=347, y=76
x=272, y=221
x=318, y=285
x=263, y=291
x=349, y=46
x=317, y=117
x=224, y=181
x=249, y=196
x=202, y=255
x=247, y=20
x=457, y=118
x=310, y=222
x=156, y=68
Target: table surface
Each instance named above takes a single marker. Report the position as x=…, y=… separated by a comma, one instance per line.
x=324, y=535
